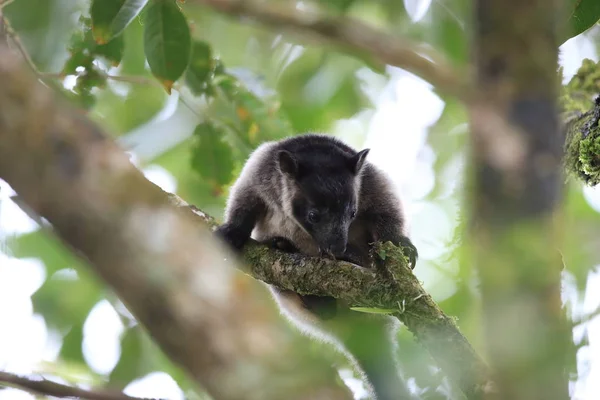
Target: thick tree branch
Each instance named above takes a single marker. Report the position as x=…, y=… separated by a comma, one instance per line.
x=354, y=35
x=217, y=324
x=48, y=388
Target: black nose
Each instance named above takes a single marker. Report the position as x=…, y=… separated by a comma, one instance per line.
x=337, y=249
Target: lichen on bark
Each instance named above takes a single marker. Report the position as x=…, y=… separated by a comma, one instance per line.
x=581, y=113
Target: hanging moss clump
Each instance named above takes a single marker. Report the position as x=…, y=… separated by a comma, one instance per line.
x=581, y=107
x=582, y=147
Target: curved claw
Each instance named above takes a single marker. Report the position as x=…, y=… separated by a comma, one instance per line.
x=410, y=251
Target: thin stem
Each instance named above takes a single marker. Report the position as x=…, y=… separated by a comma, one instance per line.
x=354, y=35
x=49, y=388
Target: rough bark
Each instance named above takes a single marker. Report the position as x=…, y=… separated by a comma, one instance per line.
x=517, y=185
x=217, y=324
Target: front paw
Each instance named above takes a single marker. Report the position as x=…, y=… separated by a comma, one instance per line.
x=281, y=243
x=235, y=238
x=410, y=251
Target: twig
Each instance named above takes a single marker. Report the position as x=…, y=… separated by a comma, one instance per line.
x=356, y=35
x=17, y=41
x=49, y=388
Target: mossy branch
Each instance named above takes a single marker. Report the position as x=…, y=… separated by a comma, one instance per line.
x=581, y=113
x=403, y=296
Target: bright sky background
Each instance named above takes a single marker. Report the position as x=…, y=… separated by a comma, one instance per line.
x=405, y=108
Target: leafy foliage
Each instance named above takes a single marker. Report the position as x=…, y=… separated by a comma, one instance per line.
x=111, y=17
x=582, y=15
x=167, y=41
x=213, y=157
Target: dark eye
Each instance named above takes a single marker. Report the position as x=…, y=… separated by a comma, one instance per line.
x=313, y=217
x=353, y=214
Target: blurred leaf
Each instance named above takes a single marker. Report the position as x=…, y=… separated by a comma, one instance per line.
x=338, y=5
x=201, y=69
x=256, y=119
x=190, y=185
x=84, y=49
x=134, y=59
x=167, y=41
x=47, y=248
x=139, y=356
x=212, y=157
x=583, y=14
x=111, y=17
x=318, y=88
x=44, y=27
x=71, y=349
x=580, y=250
x=65, y=300
x=134, y=360
x=120, y=114
x=448, y=19
x=374, y=310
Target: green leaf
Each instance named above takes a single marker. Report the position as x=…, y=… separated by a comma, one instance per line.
x=65, y=300
x=137, y=107
x=84, y=49
x=112, y=51
x=212, y=157
x=71, y=349
x=449, y=21
x=111, y=17
x=46, y=247
x=134, y=360
x=374, y=310
x=255, y=119
x=583, y=14
x=167, y=41
x=134, y=59
x=319, y=88
x=201, y=69
x=340, y=6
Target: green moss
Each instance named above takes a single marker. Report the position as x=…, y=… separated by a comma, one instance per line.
x=589, y=156
x=587, y=78
x=582, y=147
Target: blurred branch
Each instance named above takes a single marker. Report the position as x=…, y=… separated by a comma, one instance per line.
x=11, y=34
x=355, y=35
x=211, y=320
x=517, y=189
x=49, y=388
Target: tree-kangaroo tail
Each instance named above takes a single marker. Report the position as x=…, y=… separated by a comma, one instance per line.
x=371, y=344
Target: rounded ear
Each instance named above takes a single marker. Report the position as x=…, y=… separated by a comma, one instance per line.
x=287, y=163
x=357, y=161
